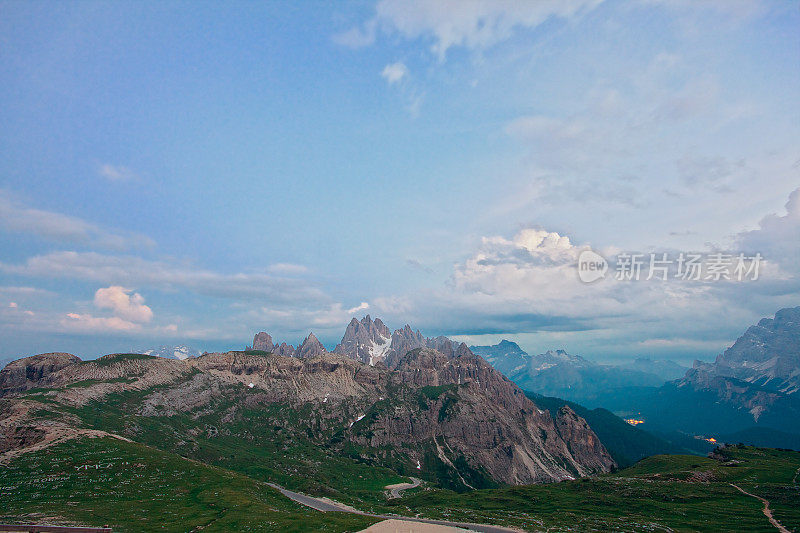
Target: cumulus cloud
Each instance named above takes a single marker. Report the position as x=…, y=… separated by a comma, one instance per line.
x=394, y=72
x=124, y=303
x=130, y=313
x=16, y=217
x=533, y=263
x=777, y=237
x=527, y=284
x=472, y=24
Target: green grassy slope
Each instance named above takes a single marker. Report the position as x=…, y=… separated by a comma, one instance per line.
x=135, y=488
x=661, y=493
x=267, y=442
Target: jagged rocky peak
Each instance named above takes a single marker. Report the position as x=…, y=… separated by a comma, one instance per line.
x=403, y=341
x=366, y=340
x=562, y=357
x=310, y=347
x=768, y=354
x=263, y=341
x=286, y=350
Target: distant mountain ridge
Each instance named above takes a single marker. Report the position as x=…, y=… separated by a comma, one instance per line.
x=365, y=340
x=766, y=355
x=750, y=388
x=572, y=377
x=173, y=352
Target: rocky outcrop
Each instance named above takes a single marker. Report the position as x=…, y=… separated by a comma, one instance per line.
x=581, y=441
x=34, y=371
x=767, y=355
x=310, y=347
x=263, y=341
x=286, y=350
x=365, y=341
x=473, y=414
x=403, y=341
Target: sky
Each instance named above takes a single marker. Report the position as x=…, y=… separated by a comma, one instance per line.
x=195, y=172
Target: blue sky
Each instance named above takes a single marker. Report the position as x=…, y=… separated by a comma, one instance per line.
x=196, y=172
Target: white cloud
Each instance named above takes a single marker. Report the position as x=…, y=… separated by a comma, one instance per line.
x=15, y=217
x=128, y=309
x=90, y=324
x=124, y=304
x=362, y=307
x=13, y=305
x=116, y=173
x=472, y=24
x=135, y=271
x=394, y=72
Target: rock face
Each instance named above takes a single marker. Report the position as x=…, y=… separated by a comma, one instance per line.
x=448, y=415
x=472, y=413
x=581, y=440
x=403, y=341
x=752, y=384
x=310, y=347
x=365, y=341
x=263, y=341
x=767, y=355
x=33, y=371
x=286, y=350
x=371, y=342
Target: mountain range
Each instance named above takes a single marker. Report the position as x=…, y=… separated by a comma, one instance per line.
x=749, y=393
x=560, y=374
x=351, y=423
x=366, y=340
x=173, y=352
x=421, y=405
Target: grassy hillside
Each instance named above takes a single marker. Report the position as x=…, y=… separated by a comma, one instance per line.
x=264, y=442
x=661, y=493
x=135, y=488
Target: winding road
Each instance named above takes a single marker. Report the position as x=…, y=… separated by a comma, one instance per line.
x=395, y=491
x=325, y=505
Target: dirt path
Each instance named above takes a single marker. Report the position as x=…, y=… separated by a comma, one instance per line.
x=325, y=505
x=395, y=491
x=767, y=511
